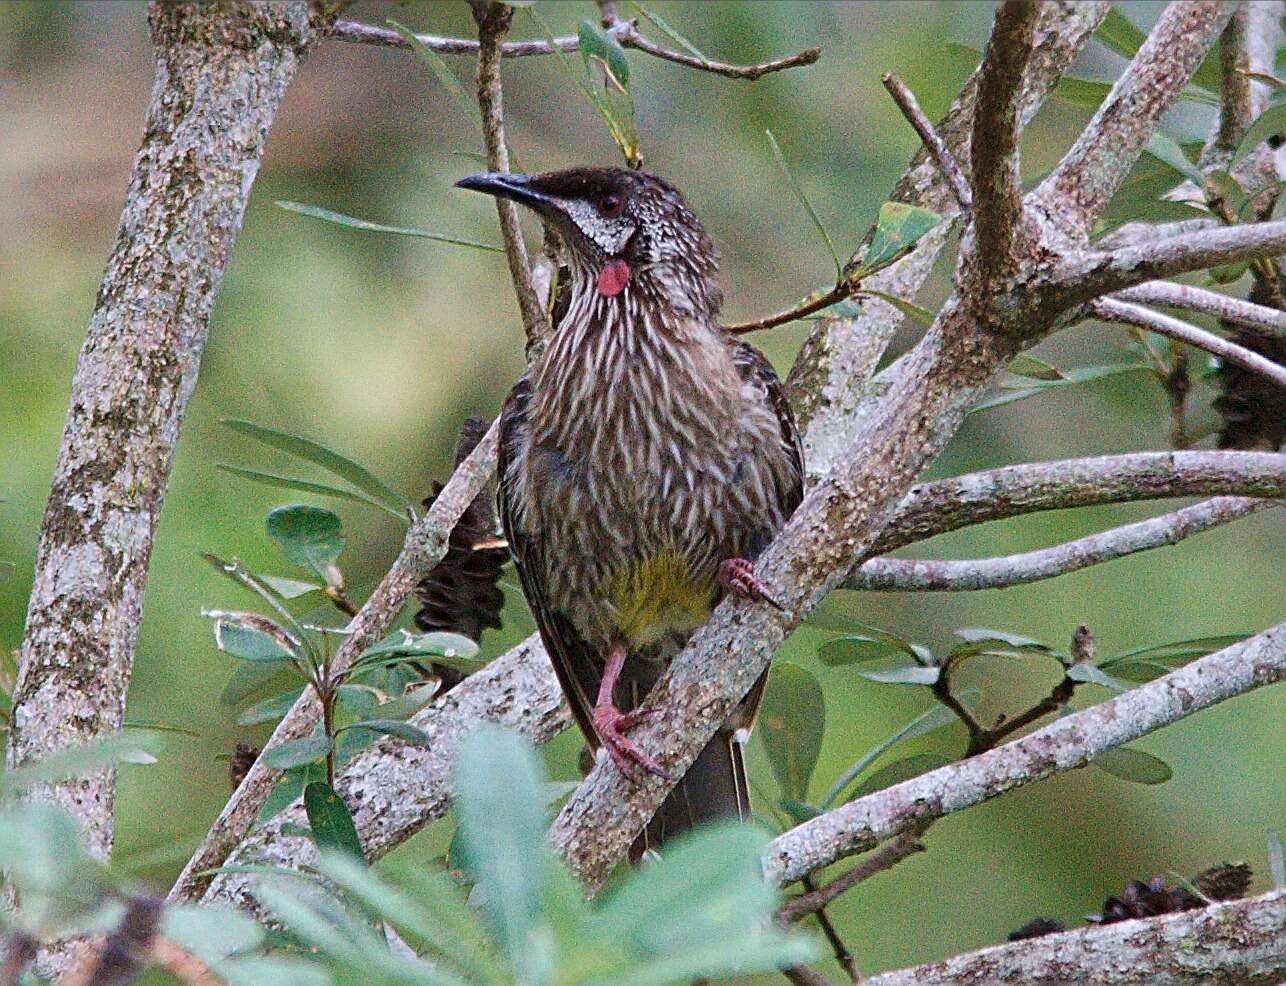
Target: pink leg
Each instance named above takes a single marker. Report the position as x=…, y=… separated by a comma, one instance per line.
x=737, y=576
x=611, y=723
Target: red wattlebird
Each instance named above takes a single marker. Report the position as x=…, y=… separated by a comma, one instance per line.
x=646, y=458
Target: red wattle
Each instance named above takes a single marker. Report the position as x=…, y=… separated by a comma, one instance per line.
x=613, y=278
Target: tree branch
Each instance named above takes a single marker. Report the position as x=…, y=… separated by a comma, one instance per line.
x=1111, y=310
x=1240, y=941
x=940, y=575
x=933, y=142
x=1192, y=298
x=1096, y=273
x=877, y=861
x=221, y=73
x=493, y=18
x=1249, y=44
x=995, y=180
x=1072, y=741
x=1075, y=194
x=425, y=544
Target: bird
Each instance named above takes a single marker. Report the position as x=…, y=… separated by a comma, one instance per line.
x=646, y=458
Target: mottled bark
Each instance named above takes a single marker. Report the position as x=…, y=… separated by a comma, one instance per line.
x=1241, y=942
x=221, y=72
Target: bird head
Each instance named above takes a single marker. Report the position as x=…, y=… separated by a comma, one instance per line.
x=621, y=232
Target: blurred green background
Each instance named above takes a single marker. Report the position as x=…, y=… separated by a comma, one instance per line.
x=379, y=346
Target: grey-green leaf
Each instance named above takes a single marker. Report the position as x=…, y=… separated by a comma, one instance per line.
x=309, y=536
x=331, y=821
x=270, y=709
x=1130, y=764
x=1165, y=150
x=334, y=463
x=330, y=216
x=598, y=44
x=394, y=727
x=295, y=753
x=1086, y=672
x=907, y=674
x=303, y=486
x=897, y=228
x=791, y=721
x=237, y=634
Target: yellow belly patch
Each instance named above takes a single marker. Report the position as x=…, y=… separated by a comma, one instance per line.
x=659, y=596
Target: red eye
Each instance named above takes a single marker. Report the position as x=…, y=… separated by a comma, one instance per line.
x=609, y=205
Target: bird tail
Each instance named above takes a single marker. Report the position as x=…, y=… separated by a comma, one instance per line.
x=714, y=787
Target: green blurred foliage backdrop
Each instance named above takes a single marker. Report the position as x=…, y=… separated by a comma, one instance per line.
x=379, y=346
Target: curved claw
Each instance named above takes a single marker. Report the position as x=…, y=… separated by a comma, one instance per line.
x=737, y=576
x=611, y=725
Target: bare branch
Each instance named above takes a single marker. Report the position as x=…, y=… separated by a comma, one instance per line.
x=977, y=498
x=996, y=183
x=1079, y=188
x=425, y=544
x=1192, y=298
x=1240, y=941
x=1072, y=741
x=626, y=32
x=1097, y=273
x=1248, y=45
x=1111, y=310
x=493, y=18
x=933, y=142
x=802, y=975
x=810, y=305
x=221, y=73
x=877, y=861
x=939, y=575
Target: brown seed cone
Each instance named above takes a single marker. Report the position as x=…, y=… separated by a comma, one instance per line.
x=1253, y=408
x=460, y=594
x=1036, y=928
x=1227, y=881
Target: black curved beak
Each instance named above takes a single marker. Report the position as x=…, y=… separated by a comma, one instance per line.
x=507, y=186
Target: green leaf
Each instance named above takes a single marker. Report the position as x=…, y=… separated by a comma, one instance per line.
x=789, y=175
x=210, y=933
x=921, y=316
x=897, y=228
x=300, y=485
x=270, y=709
x=1070, y=378
x=1228, y=273
x=1120, y=34
x=309, y=536
x=596, y=43
x=897, y=772
x=799, y=811
x=1179, y=650
x=289, y=588
x=330, y=216
x=791, y=721
x=1270, y=123
x=868, y=644
x=1087, y=672
x=331, y=821
x=1165, y=150
x=907, y=674
x=295, y=753
x=246, y=680
x=1081, y=92
x=1130, y=764
x=936, y=717
x=441, y=71
x=393, y=727
x=252, y=637
x=665, y=28
x=980, y=634
x=502, y=825
x=450, y=649
x=1140, y=671
x=69, y=763
x=1220, y=186
x=410, y=703
x=1033, y=367
x=614, y=102
x=334, y=463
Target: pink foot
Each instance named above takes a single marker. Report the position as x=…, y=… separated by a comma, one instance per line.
x=612, y=724
x=736, y=575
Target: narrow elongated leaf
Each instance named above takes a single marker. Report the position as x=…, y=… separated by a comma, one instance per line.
x=290, y=588
x=330, y=216
x=795, y=187
x=441, y=71
x=920, y=316
x=252, y=637
x=1179, y=650
x=1270, y=123
x=1027, y=365
x=502, y=826
x=668, y=30
x=69, y=763
x=907, y=674
x=309, y=536
x=897, y=228
x=1130, y=764
x=791, y=721
x=393, y=727
x=614, y=101
x=857, y=647
x=1081, y=92
x=295, y=753
x=975, y=634
x=1070, y=378
x=1140, y=670
x=596, y=43
x=270, y=709
x=1165, y=150
x=210, y=933
x=303, y=486
x=1085, y=671
x=334, y=463
x=1120, y=34
x=331, y=821
x=435, y=644
x=897, y=772
x=407, y=705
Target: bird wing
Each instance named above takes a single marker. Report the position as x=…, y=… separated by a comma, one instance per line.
x=575, y=663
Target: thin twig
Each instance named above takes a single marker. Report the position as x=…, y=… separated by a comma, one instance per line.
x=842, y=954
x=877, y=861
x=493, y=19
x=1111, y=310
x=810, y=305
x=1192, y=298
x=626, y=32
x=933, y=142
x=951, y=575
x=996, y=185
